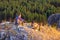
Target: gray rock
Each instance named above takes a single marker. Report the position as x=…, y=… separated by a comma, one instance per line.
x=14, y=33
x=54, y=18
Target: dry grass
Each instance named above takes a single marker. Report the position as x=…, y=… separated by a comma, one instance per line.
x=45, y=33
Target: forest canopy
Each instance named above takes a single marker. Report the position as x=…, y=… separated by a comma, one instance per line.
x=37, y=10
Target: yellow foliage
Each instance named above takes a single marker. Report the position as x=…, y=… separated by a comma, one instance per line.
x=46, y=33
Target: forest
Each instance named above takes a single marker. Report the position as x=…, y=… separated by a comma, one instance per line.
x=40, y=20
x=37, y=10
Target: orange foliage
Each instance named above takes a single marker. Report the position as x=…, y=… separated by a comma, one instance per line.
x=46, y=33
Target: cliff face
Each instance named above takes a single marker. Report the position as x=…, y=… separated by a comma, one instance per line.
x=12, y=32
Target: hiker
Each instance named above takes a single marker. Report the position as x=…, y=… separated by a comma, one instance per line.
x=16, y=20
x=19, y=20
x=32, y=23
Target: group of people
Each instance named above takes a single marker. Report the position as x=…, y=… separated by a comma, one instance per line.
x=20, y=22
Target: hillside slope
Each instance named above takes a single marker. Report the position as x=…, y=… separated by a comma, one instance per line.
x=11, y=32
x=45, y=33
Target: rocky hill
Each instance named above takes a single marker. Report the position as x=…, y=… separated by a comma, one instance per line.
x=12, y=32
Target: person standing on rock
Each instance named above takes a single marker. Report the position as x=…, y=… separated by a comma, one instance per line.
x=16, y=20
x=19, y=20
